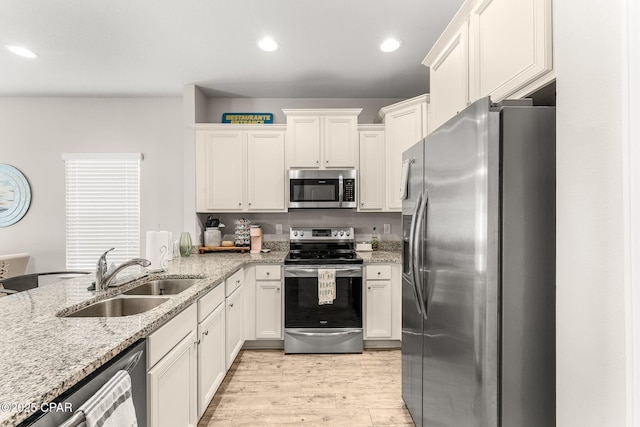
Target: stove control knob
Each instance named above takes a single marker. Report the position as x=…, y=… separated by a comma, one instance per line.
x=341, y=233
x=348, y=232
x=301, y=233
x=295, y=233
x=335, y=232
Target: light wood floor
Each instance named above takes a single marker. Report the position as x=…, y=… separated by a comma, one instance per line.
x=267, y=387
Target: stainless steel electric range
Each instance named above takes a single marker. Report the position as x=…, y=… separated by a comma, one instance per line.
x=332, y=327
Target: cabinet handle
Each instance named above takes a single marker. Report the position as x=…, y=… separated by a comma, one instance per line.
x=239, y=203
x=268, y=273
x=361, y=203
x=277, y=289
x=378, y=273
x=197, y=342
x=231, y=305
x=206, y=332
x=317, y=162
x=326, y=161
x=369, y=288
x=249, y=203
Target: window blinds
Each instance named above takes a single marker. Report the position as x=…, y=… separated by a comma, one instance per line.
x=102, y=208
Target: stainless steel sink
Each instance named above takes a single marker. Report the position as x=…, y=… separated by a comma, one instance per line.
x=118, y=307
x=162, y=287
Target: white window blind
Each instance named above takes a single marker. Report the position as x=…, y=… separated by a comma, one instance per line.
x=102, y=208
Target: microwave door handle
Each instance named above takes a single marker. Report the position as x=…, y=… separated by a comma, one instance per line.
x=340, y=189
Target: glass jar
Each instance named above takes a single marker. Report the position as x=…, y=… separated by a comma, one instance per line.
x=185, y=244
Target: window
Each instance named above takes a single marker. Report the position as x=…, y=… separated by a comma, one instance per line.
x=102, y=208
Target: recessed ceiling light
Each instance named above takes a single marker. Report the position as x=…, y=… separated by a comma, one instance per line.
x=22, y=51
x=390, y=45
x=268, y=44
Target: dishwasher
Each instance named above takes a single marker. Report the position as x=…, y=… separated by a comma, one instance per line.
x=133, y=360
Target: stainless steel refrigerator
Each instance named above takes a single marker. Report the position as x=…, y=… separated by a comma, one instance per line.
x=478, y=287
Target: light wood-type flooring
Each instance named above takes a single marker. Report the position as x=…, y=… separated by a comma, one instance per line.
x=267, y=387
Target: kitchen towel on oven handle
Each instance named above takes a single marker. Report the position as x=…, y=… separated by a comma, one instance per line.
x=326, y=285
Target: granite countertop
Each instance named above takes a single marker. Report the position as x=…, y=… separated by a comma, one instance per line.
x=42, y=355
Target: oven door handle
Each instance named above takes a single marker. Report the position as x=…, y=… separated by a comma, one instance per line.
x=313, y=272
x=325, y=334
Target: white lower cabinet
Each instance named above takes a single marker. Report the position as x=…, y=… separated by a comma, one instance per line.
x=172, y=377
x=211, y=356
x=234, y=328
x=383, y=302
x=268, y=302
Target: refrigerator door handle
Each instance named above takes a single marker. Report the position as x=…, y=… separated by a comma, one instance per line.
x=422, y=210
x=412, y=239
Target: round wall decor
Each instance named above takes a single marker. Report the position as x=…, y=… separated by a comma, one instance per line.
x=15, y=195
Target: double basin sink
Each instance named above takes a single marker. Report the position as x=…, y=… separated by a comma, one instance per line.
x=137, y=300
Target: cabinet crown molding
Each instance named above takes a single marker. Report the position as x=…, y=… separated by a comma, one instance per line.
x=402, y=104
x=229, y=126
x=321, y=111
x=459, y=19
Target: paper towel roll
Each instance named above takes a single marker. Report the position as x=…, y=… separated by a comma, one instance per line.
x=158, y=250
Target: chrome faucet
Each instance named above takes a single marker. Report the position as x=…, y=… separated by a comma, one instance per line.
x=104, y=277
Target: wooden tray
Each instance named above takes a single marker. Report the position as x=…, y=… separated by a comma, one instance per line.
x=205, y=249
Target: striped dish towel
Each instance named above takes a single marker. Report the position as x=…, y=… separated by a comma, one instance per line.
x=112, y=405
x=326, y=285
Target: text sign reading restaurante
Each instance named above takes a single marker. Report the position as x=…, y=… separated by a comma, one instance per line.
x=247, y=118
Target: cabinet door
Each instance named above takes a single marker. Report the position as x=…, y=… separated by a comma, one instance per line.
x=340, y=141
x=220, y=170
x=404, y=128
x=449, y=81
x=269, y=310
x=378, y=306
x=372, y=171
x=510, y=45
x=303, y=141
x=211, y=357
x=173, y=387
x=265, y=171
x=234, y=326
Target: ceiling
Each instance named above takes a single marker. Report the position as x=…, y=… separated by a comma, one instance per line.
x=140, y=48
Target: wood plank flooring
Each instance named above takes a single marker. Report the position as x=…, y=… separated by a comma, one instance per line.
x=267, y=387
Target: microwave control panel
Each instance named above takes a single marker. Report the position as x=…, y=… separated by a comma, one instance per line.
x=349, y=190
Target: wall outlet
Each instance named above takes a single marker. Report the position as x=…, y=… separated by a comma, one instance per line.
x=387, y=229
x=278, y=228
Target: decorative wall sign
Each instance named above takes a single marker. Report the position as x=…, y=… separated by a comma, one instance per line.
x=247, y=118
x=15, y=195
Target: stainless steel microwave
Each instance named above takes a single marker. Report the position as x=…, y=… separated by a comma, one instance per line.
x=322, y=189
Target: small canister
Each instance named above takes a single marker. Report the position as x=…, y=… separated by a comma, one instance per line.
x=212, y=237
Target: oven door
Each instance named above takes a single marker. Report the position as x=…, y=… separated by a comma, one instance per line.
x=301, y=307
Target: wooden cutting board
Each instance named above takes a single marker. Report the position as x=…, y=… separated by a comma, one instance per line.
x=206, y=249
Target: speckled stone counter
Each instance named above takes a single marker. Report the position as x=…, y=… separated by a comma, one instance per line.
x=381, y=257
x=42, y=354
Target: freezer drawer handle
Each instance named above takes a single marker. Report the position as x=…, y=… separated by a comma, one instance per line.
x=323, y=334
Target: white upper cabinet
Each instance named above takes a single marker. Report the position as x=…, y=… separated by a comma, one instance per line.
x=219, y=170
x=511, y=45
x=448, y=78
x=405, y=124
x=266, y=171
x=497, y=48
x=240, y=169
x=326, y=138
x=371, y=181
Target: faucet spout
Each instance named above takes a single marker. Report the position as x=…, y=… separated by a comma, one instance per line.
x=105, y=277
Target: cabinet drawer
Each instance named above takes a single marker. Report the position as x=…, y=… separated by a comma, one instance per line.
x=234, y=281
x=169, y=335
x=382, y=272
x=210, y=301
x=268, y=272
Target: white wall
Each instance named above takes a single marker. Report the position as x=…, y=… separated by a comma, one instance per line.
x=34, y=132
x=590, y=237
